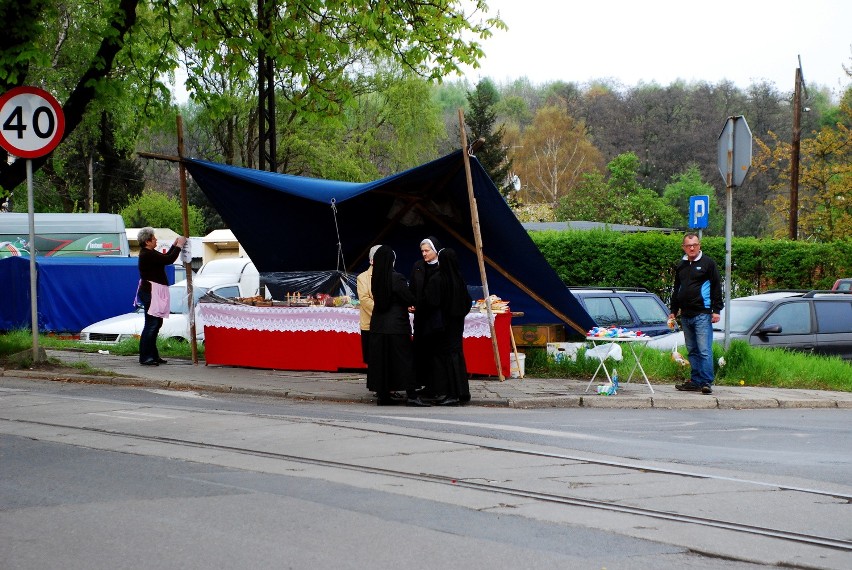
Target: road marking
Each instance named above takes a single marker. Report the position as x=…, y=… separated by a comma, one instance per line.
x=517, y=429
x=179, y=393
x=132, y=415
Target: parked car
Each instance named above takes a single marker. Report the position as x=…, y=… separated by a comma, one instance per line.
x=228, y=278
x=818, y=322
x=842, y=284
x=634, y=309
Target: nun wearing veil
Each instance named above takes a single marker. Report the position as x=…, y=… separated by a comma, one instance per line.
x=390, y=367
x=427, y=318
x=448, y=294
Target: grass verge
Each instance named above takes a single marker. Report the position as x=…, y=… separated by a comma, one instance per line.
x=16, y=342
x=744, y=366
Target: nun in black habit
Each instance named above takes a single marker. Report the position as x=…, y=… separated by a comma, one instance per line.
x=390, y=367
x=448, y=294
x=427, y=318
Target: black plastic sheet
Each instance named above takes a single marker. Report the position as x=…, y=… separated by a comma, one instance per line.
x=335, y=283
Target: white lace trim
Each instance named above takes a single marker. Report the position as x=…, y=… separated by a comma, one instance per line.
x=307, y=319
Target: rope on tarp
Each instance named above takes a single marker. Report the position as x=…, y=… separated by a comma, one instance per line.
x=341, y=264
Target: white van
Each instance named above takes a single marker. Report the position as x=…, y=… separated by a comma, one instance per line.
x=229, y=278
x=63, y=234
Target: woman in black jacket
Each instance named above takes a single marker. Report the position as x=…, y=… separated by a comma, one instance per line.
x=152, y=269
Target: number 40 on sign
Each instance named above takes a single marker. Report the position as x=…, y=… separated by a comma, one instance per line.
x=31, y=122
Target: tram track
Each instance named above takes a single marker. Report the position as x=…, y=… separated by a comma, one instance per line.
x=839, y=544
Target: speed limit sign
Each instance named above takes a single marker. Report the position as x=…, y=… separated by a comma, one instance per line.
x=31, y=122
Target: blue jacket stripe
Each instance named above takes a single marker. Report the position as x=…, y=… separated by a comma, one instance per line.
x=705, y=294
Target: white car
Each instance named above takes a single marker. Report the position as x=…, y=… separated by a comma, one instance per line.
x=229, y=278
x=176, y=326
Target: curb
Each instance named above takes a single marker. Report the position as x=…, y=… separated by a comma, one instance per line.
x=744, y=401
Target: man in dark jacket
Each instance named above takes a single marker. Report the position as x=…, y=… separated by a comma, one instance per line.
x=697, y=296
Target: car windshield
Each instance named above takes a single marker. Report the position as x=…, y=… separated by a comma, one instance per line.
x=648, y=310
x=177, y=295
x=743, y=315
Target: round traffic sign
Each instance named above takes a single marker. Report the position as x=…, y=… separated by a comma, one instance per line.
x=31, y=122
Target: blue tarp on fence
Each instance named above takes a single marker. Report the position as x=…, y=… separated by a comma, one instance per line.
x=72, y=293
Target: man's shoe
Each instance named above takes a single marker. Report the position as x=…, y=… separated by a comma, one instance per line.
x=161, y=361
x=417, y=403
x=396, y=396
x=706, y=389
x=688, y=387
x=150, y=362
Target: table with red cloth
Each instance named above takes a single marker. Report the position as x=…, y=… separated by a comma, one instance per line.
x=323, y=338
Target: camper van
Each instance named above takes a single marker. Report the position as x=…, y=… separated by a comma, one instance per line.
x=79, y=235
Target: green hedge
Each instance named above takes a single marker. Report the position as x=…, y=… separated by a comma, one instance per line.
x=604, y=258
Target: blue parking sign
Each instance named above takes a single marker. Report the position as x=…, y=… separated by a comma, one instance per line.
x=699, y=211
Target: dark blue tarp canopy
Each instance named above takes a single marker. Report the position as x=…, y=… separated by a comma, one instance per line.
x=72, y=292
x=294, y=223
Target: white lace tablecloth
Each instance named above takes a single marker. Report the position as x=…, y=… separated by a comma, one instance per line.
x=307, y=319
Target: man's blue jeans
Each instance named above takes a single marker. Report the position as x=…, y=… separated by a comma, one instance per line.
x=698, y=337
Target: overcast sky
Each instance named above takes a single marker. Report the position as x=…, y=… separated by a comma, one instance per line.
x=661, y=41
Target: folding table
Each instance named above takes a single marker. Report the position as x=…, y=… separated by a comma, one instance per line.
x=630, y=341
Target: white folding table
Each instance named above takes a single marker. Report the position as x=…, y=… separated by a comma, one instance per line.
x=630, y=341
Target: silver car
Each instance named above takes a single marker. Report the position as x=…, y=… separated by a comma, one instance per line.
x=817, y=322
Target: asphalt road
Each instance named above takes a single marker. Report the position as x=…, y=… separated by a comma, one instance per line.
x=105, y=477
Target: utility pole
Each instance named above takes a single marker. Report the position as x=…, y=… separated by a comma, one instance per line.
x=267, y=151
x=794, y=152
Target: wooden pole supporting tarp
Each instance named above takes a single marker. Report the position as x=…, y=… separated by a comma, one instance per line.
x=504, y=273
x=190, y=295
x=477, y=237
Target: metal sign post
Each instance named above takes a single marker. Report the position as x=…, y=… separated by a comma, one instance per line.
x=734, y=161
x=31, y=125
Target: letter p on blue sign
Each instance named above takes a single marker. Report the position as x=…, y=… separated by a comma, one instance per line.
x=699, y=211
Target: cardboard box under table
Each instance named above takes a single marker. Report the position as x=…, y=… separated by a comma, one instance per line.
x=322, y=338
x=538, y=335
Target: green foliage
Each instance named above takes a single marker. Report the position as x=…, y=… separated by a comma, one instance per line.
x=452, y=96
x=752, y=365
x=157, y=210
x=515, y=109
x=824, y=182
x=482, y=120
x=616, y=259
x=18, y=341
x=410, y=123
x=677, y=193
x=619, y=199
x=102, y=62
x=24, y=22
x=322, y=51
x=749, y=366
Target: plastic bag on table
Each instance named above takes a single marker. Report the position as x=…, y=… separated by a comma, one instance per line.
x=604, y=351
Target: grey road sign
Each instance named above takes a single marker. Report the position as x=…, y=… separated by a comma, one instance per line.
x=735, y=150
